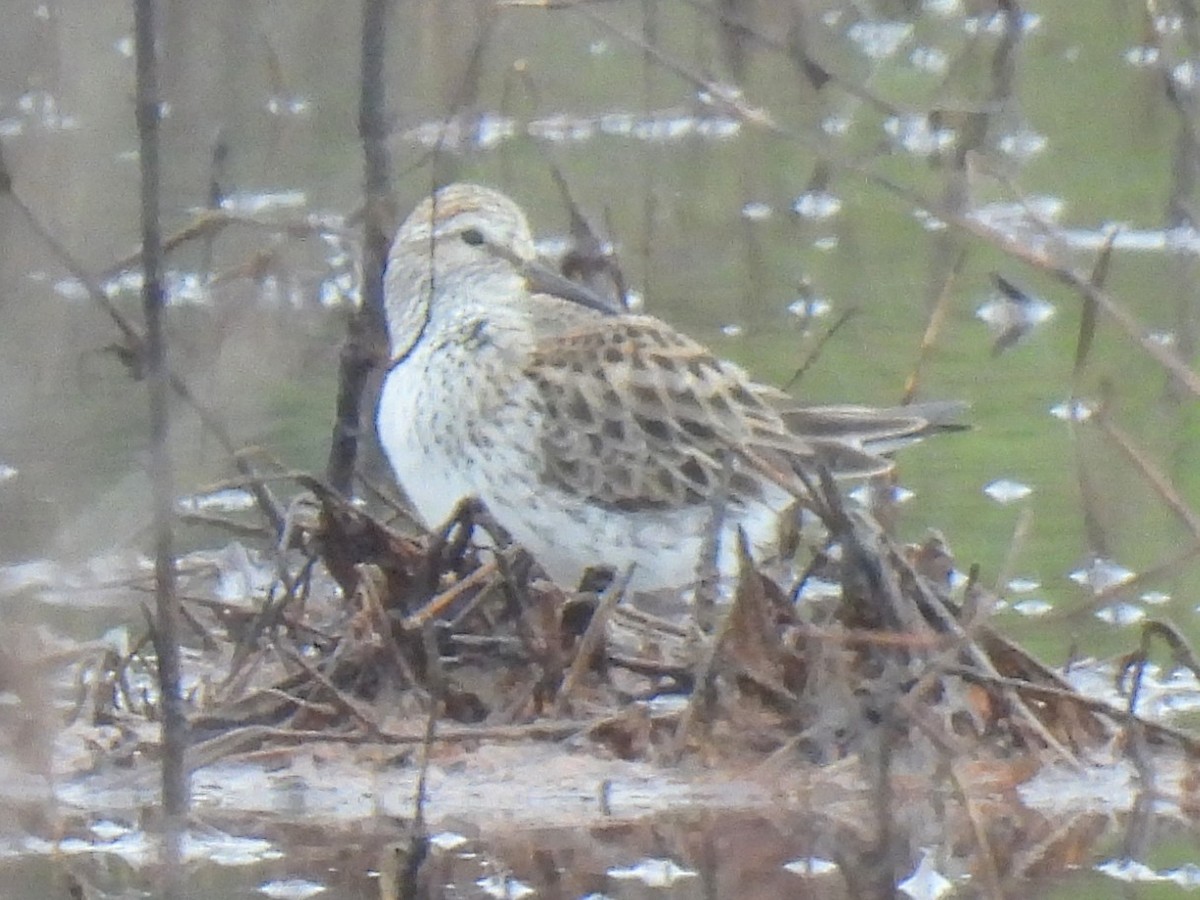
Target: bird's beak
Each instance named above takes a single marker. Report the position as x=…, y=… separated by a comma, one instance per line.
x=544, y=280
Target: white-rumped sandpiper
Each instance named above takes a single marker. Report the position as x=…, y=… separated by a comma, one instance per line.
x=595, y=437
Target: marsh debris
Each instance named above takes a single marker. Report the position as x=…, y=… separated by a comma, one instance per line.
x=363, y=635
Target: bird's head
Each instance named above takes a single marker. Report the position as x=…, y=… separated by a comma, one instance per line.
x=477, y=219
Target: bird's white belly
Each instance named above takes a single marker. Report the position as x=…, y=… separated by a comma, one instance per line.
x=663, y=548
x=412, y=433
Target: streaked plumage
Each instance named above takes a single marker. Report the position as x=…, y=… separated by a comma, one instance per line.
x=595, y=437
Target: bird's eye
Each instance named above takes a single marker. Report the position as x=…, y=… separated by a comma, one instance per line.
x=473, y=236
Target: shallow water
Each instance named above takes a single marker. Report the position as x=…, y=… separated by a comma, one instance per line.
x=752, y=218
x=519, y=821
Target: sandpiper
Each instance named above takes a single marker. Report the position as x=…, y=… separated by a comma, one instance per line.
x=595, y=437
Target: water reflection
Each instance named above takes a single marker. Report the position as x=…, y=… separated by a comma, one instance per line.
x=684, y=854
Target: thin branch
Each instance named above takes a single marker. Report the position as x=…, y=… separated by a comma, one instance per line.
x=175, y=784
x=366, y=338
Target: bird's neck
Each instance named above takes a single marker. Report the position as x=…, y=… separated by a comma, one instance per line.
x=427, y=302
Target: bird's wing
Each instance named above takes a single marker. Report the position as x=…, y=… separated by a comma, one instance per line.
x=638, y=416
x=829, y=430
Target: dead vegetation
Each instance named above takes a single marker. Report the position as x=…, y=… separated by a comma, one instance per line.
x=369, y=634
x=406, y=649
